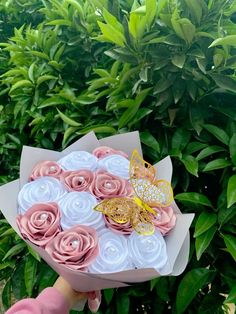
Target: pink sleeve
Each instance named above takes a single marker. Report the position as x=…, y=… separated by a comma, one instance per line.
x=49, y=301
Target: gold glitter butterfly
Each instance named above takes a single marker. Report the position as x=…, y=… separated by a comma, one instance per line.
x=149, y=191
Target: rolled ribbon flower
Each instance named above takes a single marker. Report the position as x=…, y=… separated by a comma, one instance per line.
x=106, y=185
x=120, y=228
x=113, y=255
x=79, y=180
x=104, y=151
x=79, y=160
x=75, y=248
x=116, y=165
x=46, y=168
x=40, y=224
x=165, y=219
x=148, y=251
x=41, y=190
x=77, y=208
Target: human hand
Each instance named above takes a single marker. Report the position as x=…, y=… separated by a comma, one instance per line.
x=73, y=297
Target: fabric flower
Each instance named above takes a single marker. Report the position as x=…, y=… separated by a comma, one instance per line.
x=40, y=223
x=79, y=180
x=148, y=251
x=121, y=228
x=76, y=248
x=77, y=208
x=46, y=168
x=42, y=190
x=165, y=219
x=104, y=151
x=116, y=165
x=107, y=185
x=113, y=255
x=79, y=160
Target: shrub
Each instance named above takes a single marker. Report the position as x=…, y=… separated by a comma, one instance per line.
x=166, y=68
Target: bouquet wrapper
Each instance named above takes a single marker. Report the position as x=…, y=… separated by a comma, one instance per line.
x=177, y=241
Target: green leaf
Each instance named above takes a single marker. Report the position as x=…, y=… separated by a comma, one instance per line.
x=16, y=249
x=193, y=197
x=21, y=84
x=216, y=164
x=204, y=222
x=30, y=273
x=226, y=214
x=149, y=140
x=209, y=151
x=122, y=304
x=178, y=60
x=231, y=191
x=99, y=128
x=225, y=82
x=60, y=22
x=55, y=100
x=18, y=283
x=108, y=295
x=194, y=147
x=190, y=285
x=183, y=28
x=6, y=295
x=220, y=134
x=191, y=164
x=162, y=85
x=195, y=9
x=225, y=41
x=33, y=253
x=232, y=296
x=45, y=78
x=153, y=283
x=128, y=115
x=111, y=34
x=68, y=120
x=232, y=148
x=203, y=241
x=180, y=139
x=142, y=113
x=230, y=244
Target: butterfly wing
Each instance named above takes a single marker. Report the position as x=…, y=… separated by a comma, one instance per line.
x=122, y=210
x=118, y=209
x=155, y=193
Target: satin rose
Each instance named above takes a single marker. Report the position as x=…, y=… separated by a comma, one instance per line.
x=124, y=228
x=41, y=190
x=114, y=255
x=148, y=251
x=106, y=185
x=77, y=208
x=40, y=224
x=116, y=165
x=46, y=168
x=79, y=160
x=75, y=248
x=104, y=151
x=165, y=219
x=79, y=180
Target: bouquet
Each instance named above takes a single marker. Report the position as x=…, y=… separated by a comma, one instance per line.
x=97, y=212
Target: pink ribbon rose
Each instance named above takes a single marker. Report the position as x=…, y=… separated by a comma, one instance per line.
x=76, y=248
x=79, y=180
x=104, y=151
x=40, y=224
x=106, y=185
x=46, y=168
x=125, y=228
x=165, y=219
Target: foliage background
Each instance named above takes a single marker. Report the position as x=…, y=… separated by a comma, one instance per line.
x=163, y=67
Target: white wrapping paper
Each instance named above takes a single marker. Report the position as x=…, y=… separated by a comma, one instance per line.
x=177, y=241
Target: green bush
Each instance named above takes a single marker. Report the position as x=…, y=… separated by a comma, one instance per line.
x=165, y=68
